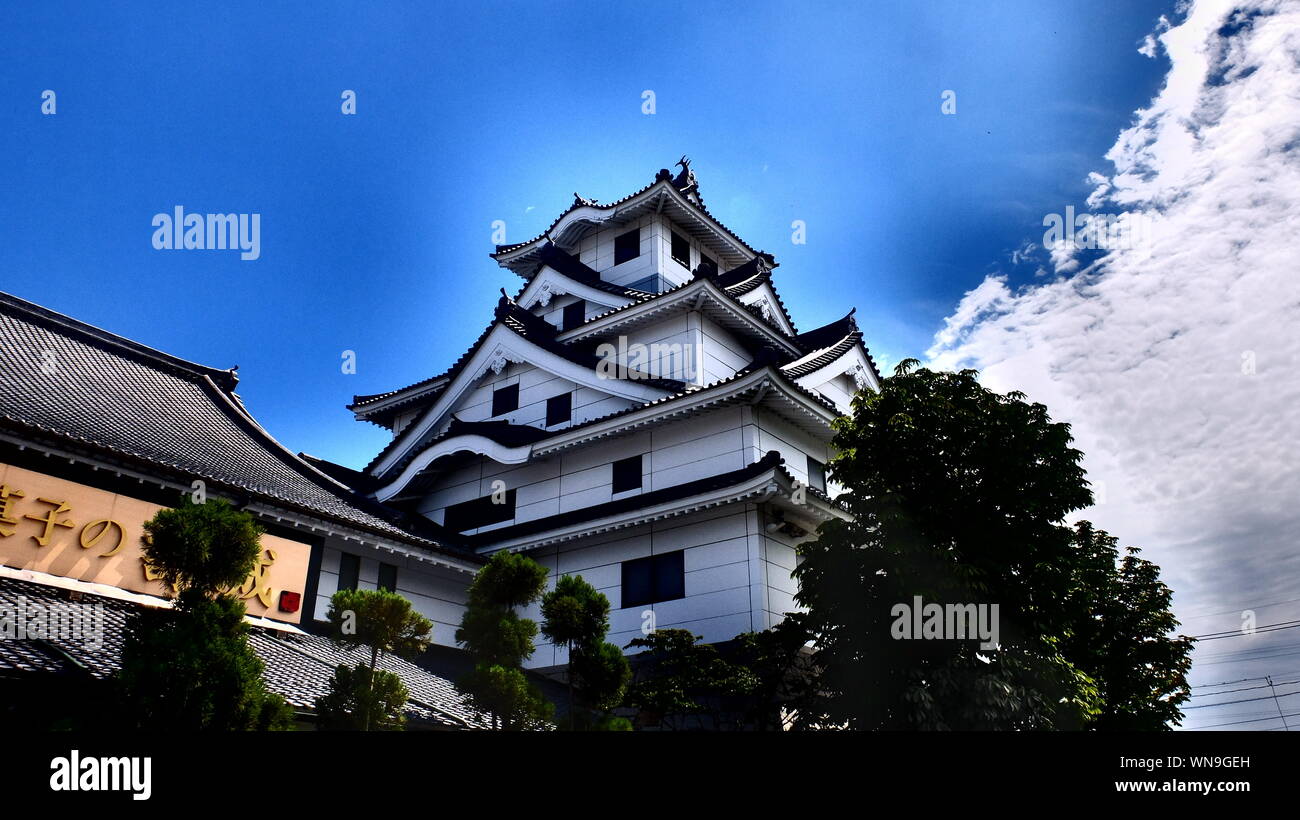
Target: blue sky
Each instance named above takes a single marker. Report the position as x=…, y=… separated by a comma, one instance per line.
x=1175, y=364
x=375, y=228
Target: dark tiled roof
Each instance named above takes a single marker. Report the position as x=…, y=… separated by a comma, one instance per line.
x=298, y=667
x=63, y=379
x=771, y=460
x=837, y=338
x=827, y=334
x=572, y=267
x=502, y=432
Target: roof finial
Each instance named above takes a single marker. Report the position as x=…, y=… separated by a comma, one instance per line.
x=685, y=181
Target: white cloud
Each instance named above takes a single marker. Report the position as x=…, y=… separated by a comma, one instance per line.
x=1144, y=350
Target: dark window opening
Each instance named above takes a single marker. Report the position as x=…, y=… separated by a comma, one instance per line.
x=505, y=399
x=479, y=512
x=627, y=246
x=388, y=577
x=816, y=475
x=681, y=250
x=574, y=315
x=627, y=474
x=349, y=570
x=654, y=579
x=708, y=264
x=559, y=409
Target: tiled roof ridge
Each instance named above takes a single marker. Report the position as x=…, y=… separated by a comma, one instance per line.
x=664, y=176
x=225, y=380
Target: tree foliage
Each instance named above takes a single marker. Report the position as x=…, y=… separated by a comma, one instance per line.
x=362, y=698
x=681, y=684
x=191, y=667
x=208, y=547
x=1122, y=636
x=383, y=622
x=576, y=616
x=958, y=495
x=499, y=641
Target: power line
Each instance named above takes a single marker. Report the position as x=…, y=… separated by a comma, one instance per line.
x=1243, y=689
x=1241, y=633
x=1241, y=610
x=1239, y=680
x=1272, y=697
x=1238, y=722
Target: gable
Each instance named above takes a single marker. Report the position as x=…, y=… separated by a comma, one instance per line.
x=501, y=347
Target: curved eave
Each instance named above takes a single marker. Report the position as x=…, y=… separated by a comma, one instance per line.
x=367, y=408
x=468, y=443
x=764, y=481
x=809, y=410
x=549, y=283
x=502, y=344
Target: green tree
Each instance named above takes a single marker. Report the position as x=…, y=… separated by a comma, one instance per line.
x=500, y=641
x=191, y=667
x=383, y=622
x=958, y=495
x=1122, y=636
x=362, y=698
x=784, y=677
x=679, y=683
x=576, y=616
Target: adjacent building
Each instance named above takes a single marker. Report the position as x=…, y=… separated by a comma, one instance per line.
x=97, y=433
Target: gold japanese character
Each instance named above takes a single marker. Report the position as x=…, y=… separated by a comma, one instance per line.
x=259, y=581
x=49, y=520
x=8, y=495
x=88, y=541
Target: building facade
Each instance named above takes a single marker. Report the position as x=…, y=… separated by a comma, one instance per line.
x=97, y=433
x=642, y=412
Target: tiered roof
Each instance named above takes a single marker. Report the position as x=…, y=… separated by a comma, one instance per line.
x=784, y=354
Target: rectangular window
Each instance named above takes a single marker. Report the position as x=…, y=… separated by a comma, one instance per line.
x=627, y=246
x=706, y=262
x=479, y=512
x=654, y=579
x=816, y=475
x=681, y=250
x=574, y=315
x=505, y=399
x=388, y=577
x=349, y=570
x=559, y=409
x=627, y=474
